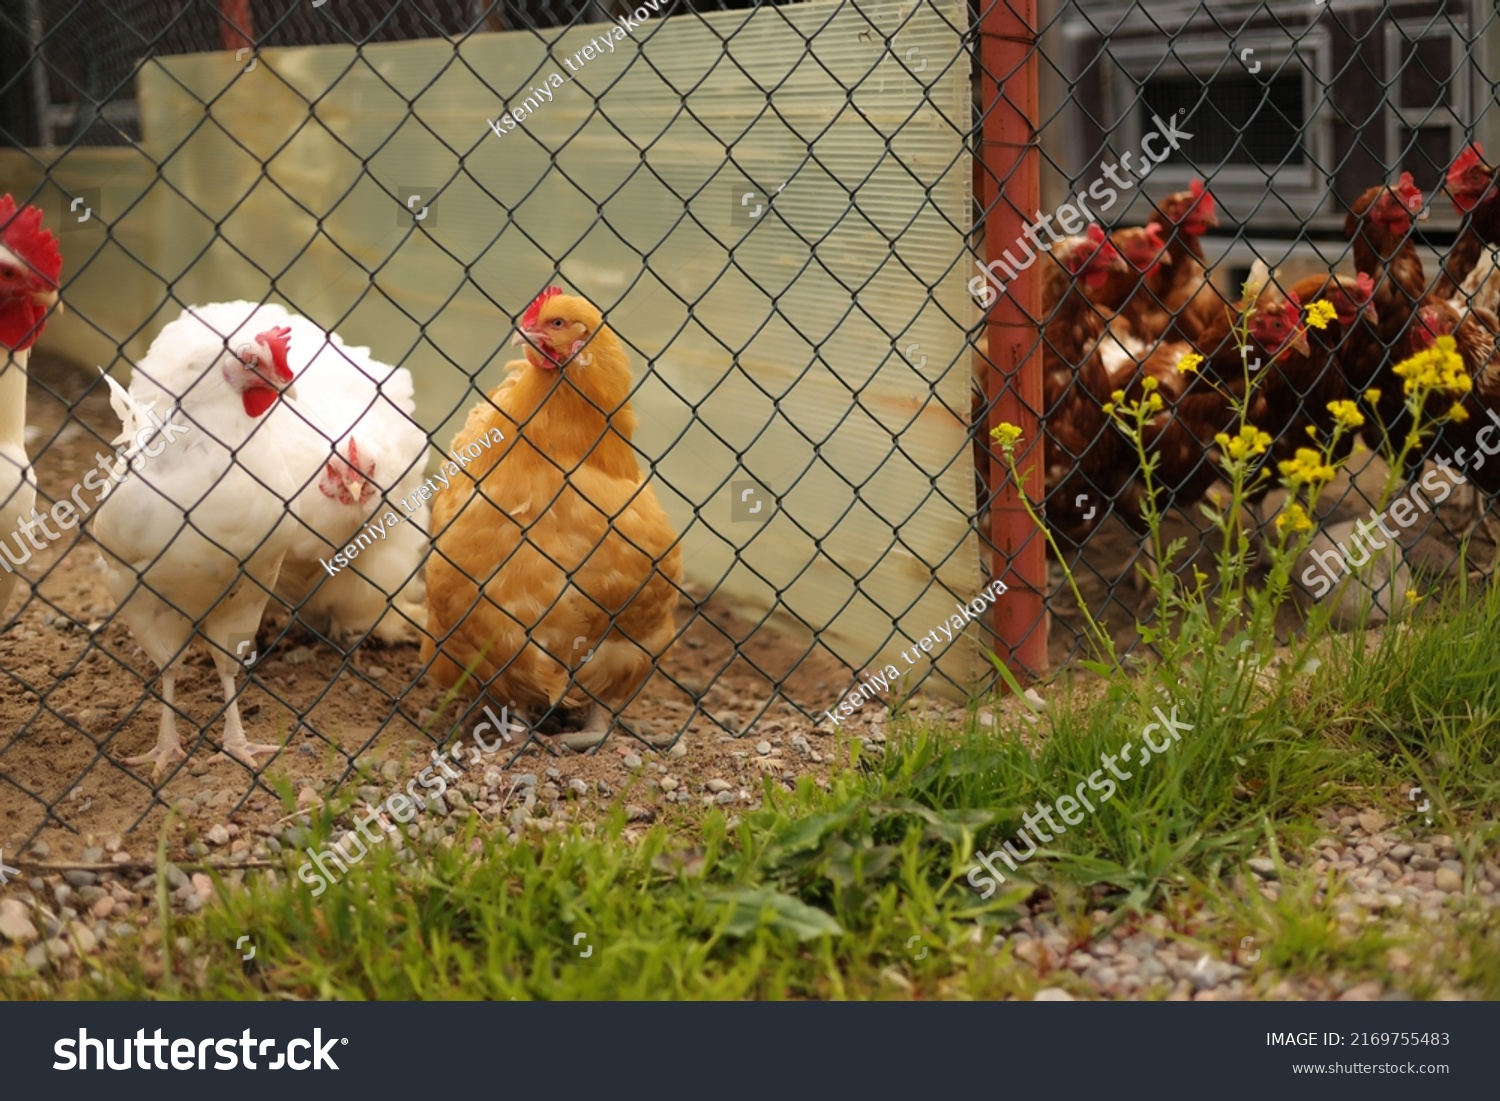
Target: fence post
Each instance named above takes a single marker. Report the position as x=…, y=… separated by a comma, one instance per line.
x=236, y=24
x=1009, y=184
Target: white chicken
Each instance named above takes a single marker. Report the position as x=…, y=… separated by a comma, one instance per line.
x=355, y=454
x=194, y=533
x=351, y=440
x=30, y=266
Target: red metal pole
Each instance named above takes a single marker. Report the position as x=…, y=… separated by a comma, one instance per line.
x=1010, y=195
x=236, y=24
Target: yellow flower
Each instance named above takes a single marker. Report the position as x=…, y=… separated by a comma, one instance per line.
x=1249, y=441
x=1413, y=597
x=1307, y=466
x=1109, y=407
x=1153, y=402
x=1320, y=313
x=1294, y=516
x=1458, y=413
x=1189, y=363
x=1117, y=396
x=1346, y=412
x=1148, y=384
x=1437, y=368
x=1372, y=395
x=1006, y=435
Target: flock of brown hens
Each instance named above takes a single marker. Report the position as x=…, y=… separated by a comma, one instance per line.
x=1123, y=311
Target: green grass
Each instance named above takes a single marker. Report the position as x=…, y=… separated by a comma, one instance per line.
x=818, y=893
x=858, y=889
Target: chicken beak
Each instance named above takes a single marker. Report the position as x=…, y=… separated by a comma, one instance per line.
x=517, y=338
x=1298, y=344
x=47, y=299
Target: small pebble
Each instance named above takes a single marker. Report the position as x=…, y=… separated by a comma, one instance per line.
x=15, y=922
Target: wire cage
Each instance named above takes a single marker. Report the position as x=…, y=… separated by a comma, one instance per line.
x=821, y=237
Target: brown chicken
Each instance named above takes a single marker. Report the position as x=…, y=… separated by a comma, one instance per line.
x=1294, y=392
x=1124, y=294
x=1198, y=405
x=1379, y=225
x=556, y=573
x=1187, y=300
x=1472, y=185
x=1084, y=451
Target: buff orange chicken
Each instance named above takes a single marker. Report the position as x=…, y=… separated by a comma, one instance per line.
x=555, y=573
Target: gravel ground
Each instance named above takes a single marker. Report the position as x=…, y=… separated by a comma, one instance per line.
x=57, y=915
x=1406, y=882
x=1401, y=882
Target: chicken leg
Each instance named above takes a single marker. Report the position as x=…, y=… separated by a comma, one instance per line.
x=168, y=749
x=236, y=746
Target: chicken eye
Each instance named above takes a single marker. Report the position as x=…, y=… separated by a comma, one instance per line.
x=557, y=323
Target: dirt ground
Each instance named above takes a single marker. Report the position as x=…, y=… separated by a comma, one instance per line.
x=78, y=692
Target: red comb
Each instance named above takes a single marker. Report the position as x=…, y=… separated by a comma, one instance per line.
x=1366, y=287
x=279, y=340
x=1406, y=188
x=534, y=311
x=23, y=235
x=1153, y=236
x=1095, y=233
x=1471, y=155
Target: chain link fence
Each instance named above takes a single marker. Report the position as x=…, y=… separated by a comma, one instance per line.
x=806, y=224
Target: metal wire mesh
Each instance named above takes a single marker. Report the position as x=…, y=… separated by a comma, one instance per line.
x=826, y=417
